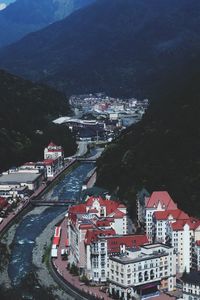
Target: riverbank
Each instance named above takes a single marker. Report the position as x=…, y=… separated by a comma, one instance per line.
x=7, y=240
x=42, y=244
x=31, y=236
x=25, y=205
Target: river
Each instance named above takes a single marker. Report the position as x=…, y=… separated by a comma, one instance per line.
x=33, y=223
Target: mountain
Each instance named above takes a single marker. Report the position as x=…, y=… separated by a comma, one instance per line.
x=25, y=16
x=162, y=152
x=123, y=47
x=26, y=113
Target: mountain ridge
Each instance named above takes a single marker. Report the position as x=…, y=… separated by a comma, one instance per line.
x=110, y=42
x=25, y=16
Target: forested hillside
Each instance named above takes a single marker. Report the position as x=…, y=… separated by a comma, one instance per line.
x=162, y=152
x=26, y=113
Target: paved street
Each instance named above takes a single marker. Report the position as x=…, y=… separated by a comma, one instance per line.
x=61, y=266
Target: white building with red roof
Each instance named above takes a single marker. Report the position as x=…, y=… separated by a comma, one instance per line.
x=161, y=219
x=53, y=158
x=52, y=151
x=142, y=272
x=96, y=230
x=196, y=262
x=158, y=201
x=182, y=235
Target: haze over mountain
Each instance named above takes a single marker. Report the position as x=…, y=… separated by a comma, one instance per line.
x=25, y=16
x=124, y=47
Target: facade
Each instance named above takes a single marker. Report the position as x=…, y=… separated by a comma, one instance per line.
x=196, y=256
x=158, y=201
x=54, y=152
x=96, y=230
x=191, y=286
x=52, y=166
x=182, y=235
x=11, y=181
x=161, y=220
x=142, y=272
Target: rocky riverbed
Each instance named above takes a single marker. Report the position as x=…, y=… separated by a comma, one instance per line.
x=40, y=250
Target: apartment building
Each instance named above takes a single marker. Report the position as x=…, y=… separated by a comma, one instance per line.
x=96, y=230
x=54, y=152
x=191, y=286
x=158, y=201
x=142, y=271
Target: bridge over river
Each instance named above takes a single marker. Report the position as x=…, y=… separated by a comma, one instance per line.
x=53, y=202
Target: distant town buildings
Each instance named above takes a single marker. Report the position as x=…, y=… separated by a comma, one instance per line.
x=101, y=117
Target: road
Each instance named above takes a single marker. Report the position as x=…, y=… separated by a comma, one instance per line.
x=82, y=148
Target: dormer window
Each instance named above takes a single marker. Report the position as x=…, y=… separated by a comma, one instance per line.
x=102, y=212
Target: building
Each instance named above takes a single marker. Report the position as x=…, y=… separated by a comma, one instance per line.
x=142, y=271
x=10, y=181
x=158, y=201
x=54, y=152
x=196, y=256
x=16, y=192
x=182, y=235
x=96, y=229
x=52, y=166
x=161, y=221
x=191, y=286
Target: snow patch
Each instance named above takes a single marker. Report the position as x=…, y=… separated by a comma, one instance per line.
x=2, y=6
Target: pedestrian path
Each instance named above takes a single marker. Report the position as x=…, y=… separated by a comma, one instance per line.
x=61, y=267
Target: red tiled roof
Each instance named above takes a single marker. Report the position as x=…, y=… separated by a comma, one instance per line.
x=104, y=223
x=163, y=197
x=57, y=231
x=92, y=235
x=117, y=214
x=178, y=225
x=193, y=224
x=56, y=241
x=129, y=241
x=86, y=226
x=48, y=161
x=110, y=205
x=176, y=214
x=78, y=209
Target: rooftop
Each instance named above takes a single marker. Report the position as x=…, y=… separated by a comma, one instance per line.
x=17, y=178
x=161, y=197
x=192, y=277
x=176, y=214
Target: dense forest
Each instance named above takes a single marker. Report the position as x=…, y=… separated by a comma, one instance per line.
x=26, y=115
x=162, y=152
